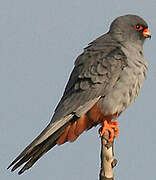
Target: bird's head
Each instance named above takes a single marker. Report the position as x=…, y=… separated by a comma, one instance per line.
x=130, y=28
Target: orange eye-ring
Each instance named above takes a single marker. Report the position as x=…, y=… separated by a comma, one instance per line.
x=138, y=27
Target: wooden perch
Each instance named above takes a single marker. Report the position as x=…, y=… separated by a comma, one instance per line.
x=108, y=162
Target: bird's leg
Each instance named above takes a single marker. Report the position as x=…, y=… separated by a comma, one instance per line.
x=111, y=127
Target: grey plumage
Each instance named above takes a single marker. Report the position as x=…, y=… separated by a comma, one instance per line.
x=110, y=72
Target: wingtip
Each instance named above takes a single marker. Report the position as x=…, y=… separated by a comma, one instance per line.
x=20, y=172
x=11, y=165
x=14, y=168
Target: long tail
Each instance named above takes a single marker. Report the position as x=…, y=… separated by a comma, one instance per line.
x=55, y=133
x=43, y=143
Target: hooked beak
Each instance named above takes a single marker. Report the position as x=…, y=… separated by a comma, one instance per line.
x=146, y=33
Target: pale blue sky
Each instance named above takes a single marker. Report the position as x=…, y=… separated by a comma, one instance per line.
x=39, y=41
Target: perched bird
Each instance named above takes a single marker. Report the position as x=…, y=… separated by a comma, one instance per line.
x=106, y=79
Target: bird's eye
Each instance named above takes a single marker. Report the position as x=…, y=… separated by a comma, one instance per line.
x=138, y=27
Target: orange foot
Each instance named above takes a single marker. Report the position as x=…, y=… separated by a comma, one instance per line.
x=112, y=127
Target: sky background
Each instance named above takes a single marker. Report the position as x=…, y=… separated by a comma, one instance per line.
x=39, y=42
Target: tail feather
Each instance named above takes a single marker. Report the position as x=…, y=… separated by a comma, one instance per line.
x=49, y=136
x=25, y=158
x=31, y=156
x=51, y=129
x=35, y=157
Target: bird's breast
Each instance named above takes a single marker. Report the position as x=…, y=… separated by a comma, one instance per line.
x=125, y=89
